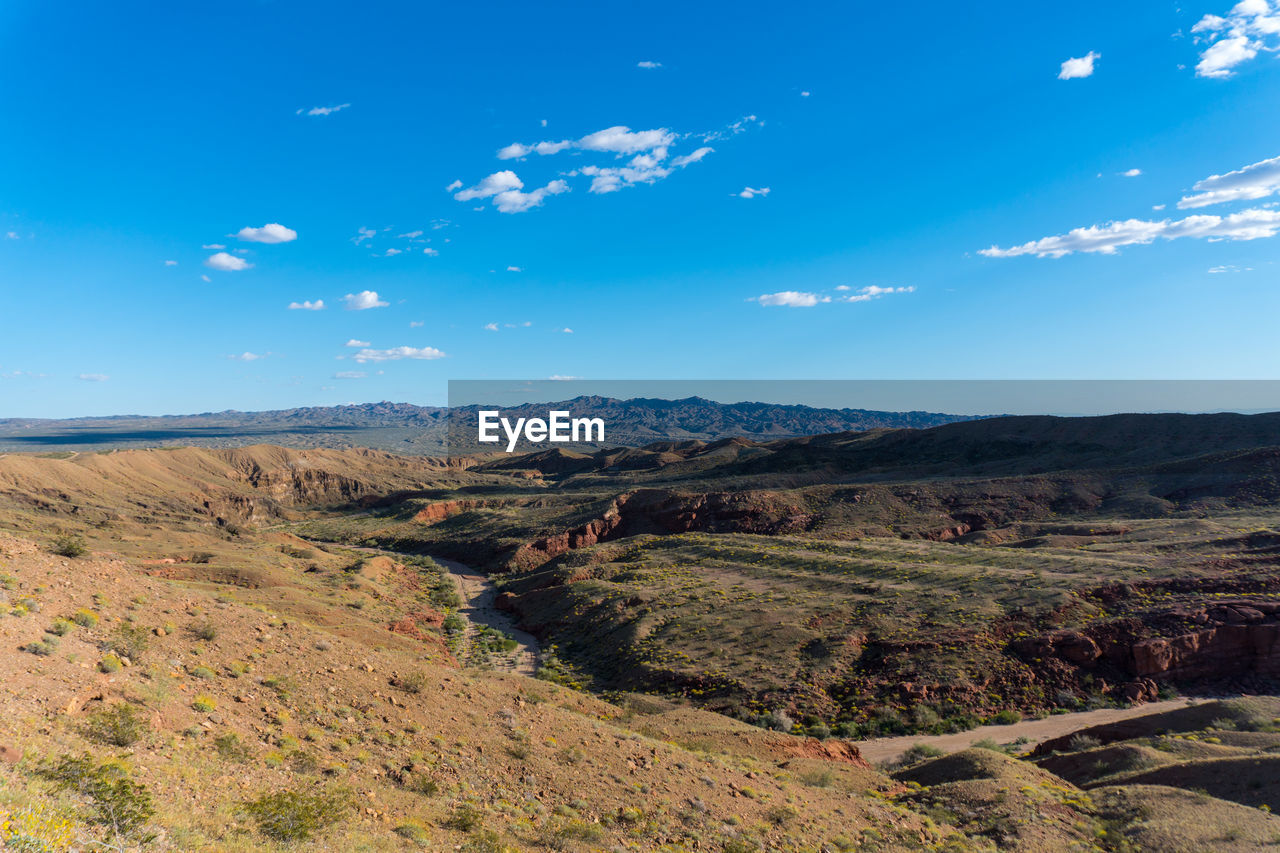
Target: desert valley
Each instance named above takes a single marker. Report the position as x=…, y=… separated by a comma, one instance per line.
x=1001, y=634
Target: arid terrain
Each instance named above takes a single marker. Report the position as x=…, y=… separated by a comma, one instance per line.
x=672, y=647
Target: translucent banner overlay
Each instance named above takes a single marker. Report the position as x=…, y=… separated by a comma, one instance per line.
x=521, y=416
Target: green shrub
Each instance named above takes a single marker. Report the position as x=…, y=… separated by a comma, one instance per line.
x=230, y=747
x=68, y=546
x=1081, y=743
x=203, y=672
x=129, y=641
x=204, y=704
x=205, y=631
x=118, y=725
x=61, y=627
x=200, y=557
x=413, y=832
x=44, y=647
x=85, y=618
x=295, y=815
x=110, y=663
x=1007, y=717
x=119, y=803
x=465, y=818
x=414, y=682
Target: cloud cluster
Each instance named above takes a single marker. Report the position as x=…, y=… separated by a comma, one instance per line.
x=1255, y=181
x=1106, y=239
x=1079, y=66
x=748, y=192
x=318, y=305
x=397, y=353
x=1250, y=26
x=648, y=150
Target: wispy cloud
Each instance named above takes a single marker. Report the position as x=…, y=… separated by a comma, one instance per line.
x=505, y=188
x=11, y=235
x=272, y=232
x=350, y=374
x=1078, y=66
x=213, y=246
x=397, y=353
x=844, y=293
x=866, y=294
x=248, y=356
x=363, y=301
x=1131, y=173
x=363, y=234
x=1251, y=26
x=170, y=263
x=226, y=263
x=93, y=377
x=321, y=111
x=355, y=343
x=1105, y=239
x=514, y=269
x=1228, y=268
x=748, y=192
x=1254, y=181
x=318, y=305
x=491, y=327
x=648, y=63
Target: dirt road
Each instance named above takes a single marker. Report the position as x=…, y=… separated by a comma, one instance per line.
x=888, y=748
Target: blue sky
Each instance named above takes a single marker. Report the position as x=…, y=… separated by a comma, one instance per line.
x=897, y=146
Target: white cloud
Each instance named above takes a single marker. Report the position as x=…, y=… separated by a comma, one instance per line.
x=866, y=294
x=791, y=299
x=213, y=246
x=11, y=235
x=94, y=377
x=272, y=232
x=226, y=263
x=453, y=186
x=543, y=122
x=411, y=235
x=430, y=251
x=247, y=356
x=354, y=343
x=364, y=300
x=623, y=140
x=390, y=253
x=566, y=330
x=1249, y=224
x=1251, y=26
x=1254, y=181
x=170, y=263
x=308, y=305
x=205, y=278
x=1078, y=66
x=748, y=192
x=1158, y=207
x=515, y=201
x=514, y=269
x=363, y=234
x=350, y=374
x=322, y=111
x=496, y=183
x=648, y=63
x=491, y=327
x=397, y=353
x=692, y=157
x=1229, y=268
x=1131, y=173
x=413, y=324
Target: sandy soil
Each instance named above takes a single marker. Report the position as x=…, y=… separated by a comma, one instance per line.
x=1035, y=731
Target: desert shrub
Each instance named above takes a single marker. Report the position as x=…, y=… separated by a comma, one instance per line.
x=85, y=618
x=110, y=663
x=61, y=627
x=129, y=641
x=203, y=672
x=465, y=818
x=1080, y=743
x=987, y=743
x=35, y=829
x=205, y=631
x=119, y=803
x=413, y=832
x=781, y=815
x=914, y=755
x=68, y=546
x=413, y=682
x=118, y=725
x=230, y=747
x=296, y=815
x=44, y=647
x=1007, y=717
x=204, y=704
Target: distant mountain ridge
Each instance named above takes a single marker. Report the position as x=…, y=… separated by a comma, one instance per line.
x=423, y=430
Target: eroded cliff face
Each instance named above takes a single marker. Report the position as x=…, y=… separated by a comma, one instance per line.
x=1209, y=642
x=664, y=512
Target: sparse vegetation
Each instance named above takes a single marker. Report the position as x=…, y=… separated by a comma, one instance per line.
x=292, y=815
x=68, y=546
x=116, y=725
